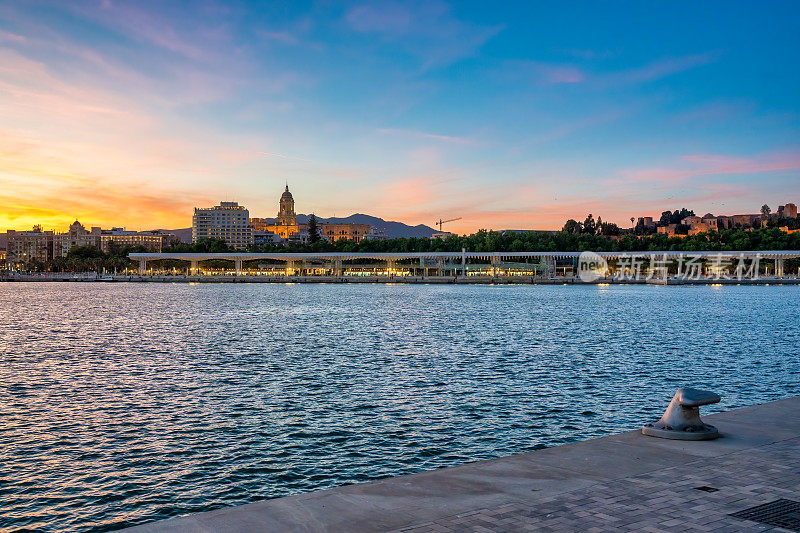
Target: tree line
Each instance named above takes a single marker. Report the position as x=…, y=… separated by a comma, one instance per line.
x=88, y=258
x=534, y=241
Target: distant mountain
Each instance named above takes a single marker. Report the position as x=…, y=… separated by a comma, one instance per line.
x=393, y=230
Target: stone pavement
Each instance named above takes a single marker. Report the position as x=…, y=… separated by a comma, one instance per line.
x=624, y=482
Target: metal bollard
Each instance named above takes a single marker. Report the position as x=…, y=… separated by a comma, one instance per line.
x=681, y=420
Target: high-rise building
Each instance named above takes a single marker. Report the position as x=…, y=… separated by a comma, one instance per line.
x=228, y=221
x=790, y=211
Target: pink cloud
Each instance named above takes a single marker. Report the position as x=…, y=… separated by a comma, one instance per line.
x=688, y=166
x=564, y=75
x=9, y=37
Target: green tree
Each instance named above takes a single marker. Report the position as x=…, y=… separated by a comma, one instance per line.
x=313, y=229
x=85, y=252
x=589, y=225
x=572, y=226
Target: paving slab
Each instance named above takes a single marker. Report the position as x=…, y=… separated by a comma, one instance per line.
x=623, y=482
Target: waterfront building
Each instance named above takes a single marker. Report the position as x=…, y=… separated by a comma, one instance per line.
x=24, y=246
x=351, y=232
x=76, y=235
x=462, y=264
x=262, y=238
x=375, y=235
x=228, y=221
x=261, y=224
x=152, y=241
x=301, y=237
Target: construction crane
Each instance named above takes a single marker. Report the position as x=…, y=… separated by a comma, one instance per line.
x=445, y=222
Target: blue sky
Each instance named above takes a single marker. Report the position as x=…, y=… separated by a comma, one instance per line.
x=514, y=115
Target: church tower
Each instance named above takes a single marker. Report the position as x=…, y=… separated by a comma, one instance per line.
x=286, y=215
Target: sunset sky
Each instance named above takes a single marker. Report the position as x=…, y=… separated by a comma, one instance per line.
x=509, y=115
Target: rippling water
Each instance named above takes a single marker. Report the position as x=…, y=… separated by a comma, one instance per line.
x=127, y=403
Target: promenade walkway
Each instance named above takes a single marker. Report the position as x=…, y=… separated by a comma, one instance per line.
x=623, y=482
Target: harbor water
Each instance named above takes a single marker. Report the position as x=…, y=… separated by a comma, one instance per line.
x=123, y=403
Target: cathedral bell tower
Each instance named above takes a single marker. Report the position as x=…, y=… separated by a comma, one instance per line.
x=286, y=215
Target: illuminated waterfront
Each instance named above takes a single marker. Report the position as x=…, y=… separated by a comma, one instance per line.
x=125, y=403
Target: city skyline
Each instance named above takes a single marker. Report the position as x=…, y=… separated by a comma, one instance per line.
x=752, y=211
x=515, y=117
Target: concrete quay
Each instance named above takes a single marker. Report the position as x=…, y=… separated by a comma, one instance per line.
x=452, y=280
x=623, y=482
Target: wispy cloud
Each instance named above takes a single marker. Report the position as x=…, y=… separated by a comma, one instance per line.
x=715, y=112
x=656, y=70
x=428, y=29
x=542, y=72
x=388, y=17
x=151, y=27
x=694, y=165
x=281, y=36
x=425, y=135
x=284, y=156
x=550, y=73
x=8, y=37
x=590, y=54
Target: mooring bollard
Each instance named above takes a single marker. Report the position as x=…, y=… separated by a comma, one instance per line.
x=681, y=420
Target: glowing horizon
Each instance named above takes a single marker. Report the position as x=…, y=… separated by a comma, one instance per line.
x=515, y=117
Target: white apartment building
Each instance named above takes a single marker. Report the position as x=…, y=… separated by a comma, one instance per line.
x=228, y=221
